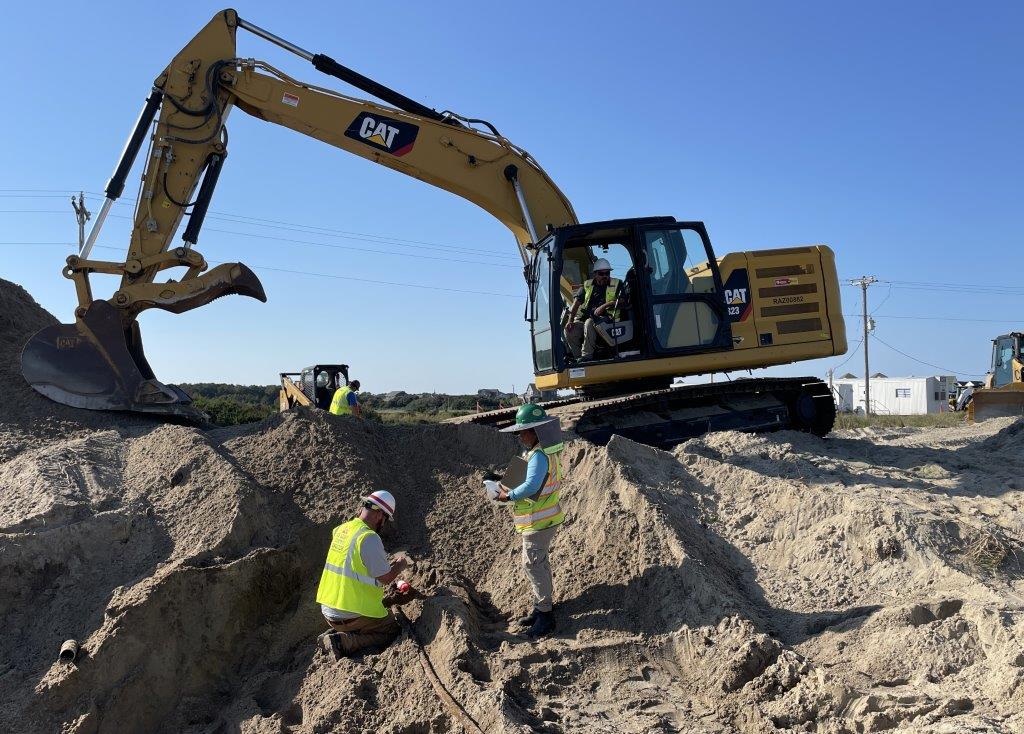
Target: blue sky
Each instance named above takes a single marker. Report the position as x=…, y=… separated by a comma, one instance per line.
x=890, y=131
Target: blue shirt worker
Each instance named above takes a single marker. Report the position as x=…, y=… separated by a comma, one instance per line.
x=346, y=400
x=537, y=513
x=355, y=576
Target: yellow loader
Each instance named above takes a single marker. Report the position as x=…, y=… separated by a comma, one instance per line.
x=1003, y=394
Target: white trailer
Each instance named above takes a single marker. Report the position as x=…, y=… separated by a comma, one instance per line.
x=896, y=395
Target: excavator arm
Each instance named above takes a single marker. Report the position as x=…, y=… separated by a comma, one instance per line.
x=98, y=362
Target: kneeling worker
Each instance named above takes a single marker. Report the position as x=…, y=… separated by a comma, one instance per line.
x=346, y=401
x=357, y=571
x=536, y=511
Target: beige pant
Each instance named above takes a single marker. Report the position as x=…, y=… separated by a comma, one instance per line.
x=581, y=338
x=362, y=633
x=537, y=566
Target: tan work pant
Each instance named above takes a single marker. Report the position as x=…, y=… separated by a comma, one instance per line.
x=581, y=338
x=537, y=566
x=362, y=633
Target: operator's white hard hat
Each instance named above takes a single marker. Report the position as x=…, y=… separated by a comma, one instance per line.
x=601, y=264
x=382, y=500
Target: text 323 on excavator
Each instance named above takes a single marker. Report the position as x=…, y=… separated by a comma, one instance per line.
x=688, y=312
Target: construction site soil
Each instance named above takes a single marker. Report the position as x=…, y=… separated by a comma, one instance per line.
x=870, y=581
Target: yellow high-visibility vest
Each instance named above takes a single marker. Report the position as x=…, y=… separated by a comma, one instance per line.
x=543, y=510
x=346, y=583
x=609, y=297
x=339, y=403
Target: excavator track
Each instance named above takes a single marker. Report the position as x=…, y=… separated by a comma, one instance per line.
x=668, y=417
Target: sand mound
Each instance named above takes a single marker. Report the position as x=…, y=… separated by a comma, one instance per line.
x=26, y=415
x=741, y=583
x=867, y=582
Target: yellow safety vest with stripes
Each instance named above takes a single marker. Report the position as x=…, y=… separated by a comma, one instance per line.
x=339, y=403
x=542, y=510
x=345, y=582
x=609, y=297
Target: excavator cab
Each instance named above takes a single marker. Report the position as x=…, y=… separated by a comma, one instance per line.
x=671, y=303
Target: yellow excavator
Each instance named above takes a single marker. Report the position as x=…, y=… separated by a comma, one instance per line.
x=1003, y=394
x=687, y=312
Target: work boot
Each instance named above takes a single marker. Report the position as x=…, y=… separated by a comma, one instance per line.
x=331, y=644
x=529, y=619
x=542, y=626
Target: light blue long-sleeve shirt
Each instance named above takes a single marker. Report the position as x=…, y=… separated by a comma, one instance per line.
x=536, y=472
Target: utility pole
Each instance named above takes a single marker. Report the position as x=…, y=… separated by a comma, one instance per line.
x=864, y=281
x=82, y=215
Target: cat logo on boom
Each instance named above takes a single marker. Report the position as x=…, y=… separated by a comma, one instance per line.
x=383, y=133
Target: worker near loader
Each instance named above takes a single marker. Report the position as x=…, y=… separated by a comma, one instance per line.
x=355, y=577
x=536, y=509
x=346, y=400
x=594, y=301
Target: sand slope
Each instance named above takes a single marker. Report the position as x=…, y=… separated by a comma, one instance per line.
x=867, y=582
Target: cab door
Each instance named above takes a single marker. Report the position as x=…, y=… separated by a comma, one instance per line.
x=541, y=310
x=686, y=309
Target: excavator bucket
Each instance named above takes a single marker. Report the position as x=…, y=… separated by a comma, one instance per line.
x=997, y=402
x=97, y=364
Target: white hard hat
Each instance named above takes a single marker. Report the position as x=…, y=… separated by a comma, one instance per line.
x=601, y=264
x=384, y=501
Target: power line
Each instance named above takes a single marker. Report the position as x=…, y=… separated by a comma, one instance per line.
x=934, y=318
x=854, y=352
x=309, y=243
x=325, y=231
x=350, y=277
x=929, y=364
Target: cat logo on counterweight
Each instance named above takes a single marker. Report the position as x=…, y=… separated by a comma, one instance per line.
x=383, y=133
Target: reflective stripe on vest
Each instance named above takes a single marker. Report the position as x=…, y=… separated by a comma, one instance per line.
x=339, y=403
x=345, y=582
x=609, y=297
x=544, y=510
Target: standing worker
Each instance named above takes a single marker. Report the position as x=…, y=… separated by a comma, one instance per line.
x=536, y=510
x=351, y=591
x=346, y=401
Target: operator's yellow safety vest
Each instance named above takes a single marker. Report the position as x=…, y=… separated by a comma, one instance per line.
x=346, y=583
x=609, y=297
x=339, y=403
x=542, y=510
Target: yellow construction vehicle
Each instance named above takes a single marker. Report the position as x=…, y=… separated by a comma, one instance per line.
x=682, y=310
x=313, y=387
x=1003, y=394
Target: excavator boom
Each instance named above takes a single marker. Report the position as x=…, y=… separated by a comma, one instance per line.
x=98, y=362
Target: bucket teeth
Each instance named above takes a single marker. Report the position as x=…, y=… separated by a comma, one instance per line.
x=91, y=364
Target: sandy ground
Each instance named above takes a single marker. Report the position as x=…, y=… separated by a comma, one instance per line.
x=865, y=582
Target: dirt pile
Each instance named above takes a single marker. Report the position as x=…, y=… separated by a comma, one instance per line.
x=867, y=582
x=27, y=415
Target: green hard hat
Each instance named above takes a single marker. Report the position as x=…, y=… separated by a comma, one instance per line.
x=529, y=415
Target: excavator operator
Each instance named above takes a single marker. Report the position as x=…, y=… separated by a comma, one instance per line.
x=597, y=299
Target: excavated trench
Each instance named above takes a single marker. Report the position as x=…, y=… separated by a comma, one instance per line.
x=738, y=583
